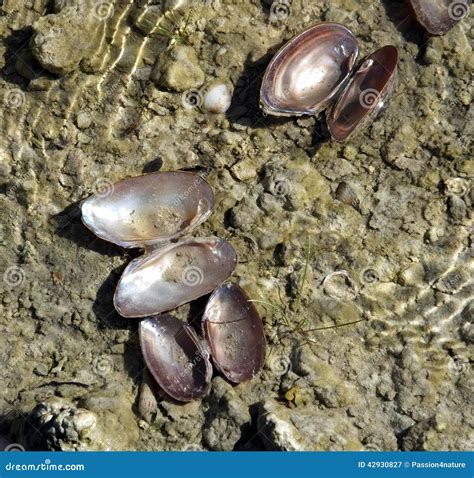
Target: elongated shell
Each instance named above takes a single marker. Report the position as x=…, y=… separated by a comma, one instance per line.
x=439, y=16
x=175, y=357
x=365, y=93
x=149, y=209
x=173, y=275
x=235, y=333
x=309, y=70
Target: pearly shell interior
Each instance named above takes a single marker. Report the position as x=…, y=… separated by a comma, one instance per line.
x=173, y=275
x=365, y=93
x=309, y=70
x=234, y=331
x=440, y=16
x=150, y=209
x=175, y=357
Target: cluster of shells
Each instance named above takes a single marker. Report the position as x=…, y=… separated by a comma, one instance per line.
x=314, y=71
x=151, y=212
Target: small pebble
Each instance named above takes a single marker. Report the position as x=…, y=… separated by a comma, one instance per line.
x=83, y=120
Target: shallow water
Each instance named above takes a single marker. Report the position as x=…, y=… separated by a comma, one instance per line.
x=398, y=377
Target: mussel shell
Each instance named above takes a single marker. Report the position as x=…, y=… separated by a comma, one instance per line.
x=149, y=209
x=365, y=93
x=439, y=16
x=173, y=275
x=234, y=331
x=175, y=357
x=309, y=70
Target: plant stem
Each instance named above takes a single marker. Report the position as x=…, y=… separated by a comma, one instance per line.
x=303, y=278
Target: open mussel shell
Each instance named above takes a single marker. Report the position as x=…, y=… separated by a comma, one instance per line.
x=439, y=16
x=175, y=357
x=148, y=209
x=365, y=94
x=173, y=275
x=309, y=70
x=234, y=332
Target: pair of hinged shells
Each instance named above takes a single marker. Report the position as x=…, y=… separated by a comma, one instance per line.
x=149, y=212
x=315, y=71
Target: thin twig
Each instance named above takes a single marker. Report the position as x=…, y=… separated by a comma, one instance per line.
x=334, y=326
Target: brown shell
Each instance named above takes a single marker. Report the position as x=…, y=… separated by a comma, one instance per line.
x=173, y=275
x=234, y=331
x=307, y=72
x=439, y=16
x=175, y=357
x=365, y=94
x=147, y=210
